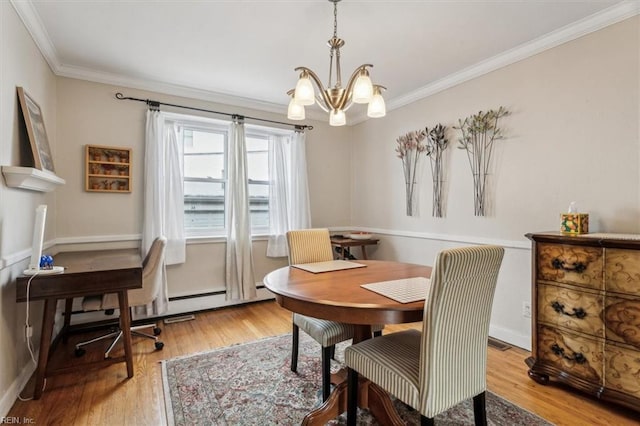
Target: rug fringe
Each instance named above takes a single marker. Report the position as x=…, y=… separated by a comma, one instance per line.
x=168, y=406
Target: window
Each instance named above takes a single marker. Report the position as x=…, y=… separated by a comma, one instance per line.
x=204, y=148
x=258, y=165
x=204, y=178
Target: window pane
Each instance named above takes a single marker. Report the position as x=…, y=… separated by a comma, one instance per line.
x=204, y=179
x=258, y=158
x=204, y=205
x=204, y=166
x=259, y=205
x=196, y=140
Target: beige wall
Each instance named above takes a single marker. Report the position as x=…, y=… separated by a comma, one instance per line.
x=572, y=135
x=20, y=65
x=88, y=113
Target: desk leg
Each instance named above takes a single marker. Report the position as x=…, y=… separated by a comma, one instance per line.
x=45, y=342
x=125, y=326
x=370, y=396
x=68, y=308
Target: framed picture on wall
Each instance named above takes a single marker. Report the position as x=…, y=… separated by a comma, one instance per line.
x=35, y=130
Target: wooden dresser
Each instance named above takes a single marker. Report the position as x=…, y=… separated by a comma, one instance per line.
x=586, y=313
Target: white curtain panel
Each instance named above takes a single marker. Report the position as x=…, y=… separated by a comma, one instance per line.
x=299, y=211
x=163, y=200
x=240, y=282
x=288, y=190
x=278, y=200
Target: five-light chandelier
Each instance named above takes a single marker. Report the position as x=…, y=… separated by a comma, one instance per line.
x=336, y=100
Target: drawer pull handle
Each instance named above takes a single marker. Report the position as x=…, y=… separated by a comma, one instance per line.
x=577, y=356
x=577, y=312
x=569, y=267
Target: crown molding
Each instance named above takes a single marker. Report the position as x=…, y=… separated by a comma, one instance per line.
x=87, y=74
x=31, y=20
x=177, y=90
x=595, y=22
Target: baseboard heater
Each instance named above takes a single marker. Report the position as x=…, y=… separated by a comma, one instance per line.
x=179, y=319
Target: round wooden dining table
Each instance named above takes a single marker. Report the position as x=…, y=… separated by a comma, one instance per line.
x=338, y=296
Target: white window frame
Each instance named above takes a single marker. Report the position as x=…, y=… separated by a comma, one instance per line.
x=222, y=126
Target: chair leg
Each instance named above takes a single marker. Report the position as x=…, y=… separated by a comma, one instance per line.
x=333, y=351
x=326, y=372
x=352, y=397
x=294, y=348
x=480, y=409
x=426, y=421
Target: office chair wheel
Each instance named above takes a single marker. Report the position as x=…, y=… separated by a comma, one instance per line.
x=79, y=352
x=159, y=346
x=157, y=331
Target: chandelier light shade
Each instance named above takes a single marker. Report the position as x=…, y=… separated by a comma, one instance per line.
x=304, y=93
x=295, y=110
x=377, y=107
x=336, y=99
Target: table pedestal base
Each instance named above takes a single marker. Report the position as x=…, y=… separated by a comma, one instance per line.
x=370, y=396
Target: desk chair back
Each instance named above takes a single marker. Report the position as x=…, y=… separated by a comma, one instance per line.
x=152, y=281
x=309, y=246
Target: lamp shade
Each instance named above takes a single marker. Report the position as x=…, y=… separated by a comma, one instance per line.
x=304, y=94
x=295, y=110
x=362, y=89
x=337, y=118
x=377, y=107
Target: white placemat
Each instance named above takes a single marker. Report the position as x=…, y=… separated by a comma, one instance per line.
x=404, y=291
x=331, y=265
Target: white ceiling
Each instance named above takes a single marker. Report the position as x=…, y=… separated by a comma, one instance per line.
x=244, y=52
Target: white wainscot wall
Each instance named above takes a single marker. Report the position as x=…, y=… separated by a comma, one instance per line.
x=514, y=282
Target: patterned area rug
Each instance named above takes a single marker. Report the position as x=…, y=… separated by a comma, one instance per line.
x=252, y=384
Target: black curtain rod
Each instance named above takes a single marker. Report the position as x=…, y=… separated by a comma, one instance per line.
x=156, y=105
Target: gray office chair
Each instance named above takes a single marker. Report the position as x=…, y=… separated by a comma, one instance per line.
x=152, y=267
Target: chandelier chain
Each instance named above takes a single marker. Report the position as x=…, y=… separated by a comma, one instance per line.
x=335, y=19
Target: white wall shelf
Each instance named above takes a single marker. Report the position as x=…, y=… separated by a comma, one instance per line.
x=30, y=178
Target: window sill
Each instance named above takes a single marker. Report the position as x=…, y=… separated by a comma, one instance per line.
x=215, y=239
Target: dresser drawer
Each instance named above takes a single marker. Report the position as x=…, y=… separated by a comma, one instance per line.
x=575, y=355
x=622, y=271
x=622, y=320
x=622, y=367
x=577, y=265
x=571, y=308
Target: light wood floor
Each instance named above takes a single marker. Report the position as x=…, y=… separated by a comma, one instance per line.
x=105, y=397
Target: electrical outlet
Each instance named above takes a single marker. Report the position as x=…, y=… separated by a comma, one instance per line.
x=526, y=309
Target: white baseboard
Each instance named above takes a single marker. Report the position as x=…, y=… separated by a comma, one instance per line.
x=11, y=395
x=508, y=336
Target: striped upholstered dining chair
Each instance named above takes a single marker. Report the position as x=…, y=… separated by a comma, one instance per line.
x=310, y=246
x=445, y=364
